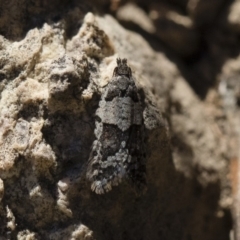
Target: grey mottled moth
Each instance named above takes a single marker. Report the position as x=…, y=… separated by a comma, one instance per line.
x=118, y=151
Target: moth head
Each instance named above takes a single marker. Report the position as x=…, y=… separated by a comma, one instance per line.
x=122, y=68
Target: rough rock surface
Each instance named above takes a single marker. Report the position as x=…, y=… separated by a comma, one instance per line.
x=56, y=59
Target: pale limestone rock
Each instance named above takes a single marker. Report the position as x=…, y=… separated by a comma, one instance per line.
x=233, y=16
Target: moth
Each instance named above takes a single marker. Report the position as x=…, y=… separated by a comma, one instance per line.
x=118, y=151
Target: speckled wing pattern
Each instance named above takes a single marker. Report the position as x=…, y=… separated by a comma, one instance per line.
x=118, y=151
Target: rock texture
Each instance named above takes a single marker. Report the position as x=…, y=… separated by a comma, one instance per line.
x=56, y=59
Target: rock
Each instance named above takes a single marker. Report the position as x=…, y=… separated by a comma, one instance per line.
x=233, y=15
x=175, y=29
x=204, y=12
x=51, y=82
x=134, y=14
